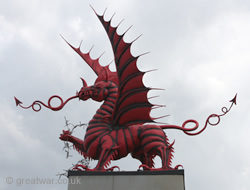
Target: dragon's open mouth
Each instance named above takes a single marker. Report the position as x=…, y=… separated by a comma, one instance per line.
x=86, y=94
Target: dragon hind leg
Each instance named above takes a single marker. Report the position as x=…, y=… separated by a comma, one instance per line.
x=166, y=156
x=144, y=158
x=154, y=142
x=108, y=153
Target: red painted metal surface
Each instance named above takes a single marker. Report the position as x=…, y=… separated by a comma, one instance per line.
x=118, y=127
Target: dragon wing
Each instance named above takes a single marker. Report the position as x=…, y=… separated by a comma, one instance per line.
x=132, y=106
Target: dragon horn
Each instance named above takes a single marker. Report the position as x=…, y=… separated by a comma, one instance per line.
x=84, y=82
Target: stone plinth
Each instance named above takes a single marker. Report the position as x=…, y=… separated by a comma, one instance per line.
x=124, y=180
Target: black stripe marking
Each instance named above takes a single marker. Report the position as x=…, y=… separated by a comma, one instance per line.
x=125, y=139
x=131, y=136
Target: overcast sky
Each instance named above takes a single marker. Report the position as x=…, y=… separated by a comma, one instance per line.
x=201, y=50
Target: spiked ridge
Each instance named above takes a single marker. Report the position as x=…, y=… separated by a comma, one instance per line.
x=99, y=70
x=132, y=105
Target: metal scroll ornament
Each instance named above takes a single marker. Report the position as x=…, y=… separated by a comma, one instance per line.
x=122, y=124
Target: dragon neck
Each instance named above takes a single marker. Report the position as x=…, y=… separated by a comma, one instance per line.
x=104, y=113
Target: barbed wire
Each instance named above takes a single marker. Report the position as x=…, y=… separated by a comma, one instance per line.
x=67, y=147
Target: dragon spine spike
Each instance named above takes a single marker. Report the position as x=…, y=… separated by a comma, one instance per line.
x=111, y=62
x=136, y=38
x=158, y=106
x=171, y=146
x=101, y=55
x=127, y=31
x=144, y=54
x=80, y=45
x=152, y=70
x=156, y=88
x=153, y=97
x=91, y=48
x=161, y=123
x=160, y=117
x=119, y=23
x=93, y=63
x=105, y=11
x=112, y=16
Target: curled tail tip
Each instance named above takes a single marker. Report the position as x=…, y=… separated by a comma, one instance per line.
x=234, y=99
x=17, y=101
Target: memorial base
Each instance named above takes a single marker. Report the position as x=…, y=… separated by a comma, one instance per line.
x=124, y=180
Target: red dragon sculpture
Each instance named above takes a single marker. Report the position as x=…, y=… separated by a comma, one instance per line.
x=120, y=126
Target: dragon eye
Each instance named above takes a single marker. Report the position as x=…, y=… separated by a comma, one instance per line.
x=98, y=86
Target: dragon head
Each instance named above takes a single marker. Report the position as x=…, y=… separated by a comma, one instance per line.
x=97, y=92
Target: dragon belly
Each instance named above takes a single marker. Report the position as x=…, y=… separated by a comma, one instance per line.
x=123, y=140
x=126, y=140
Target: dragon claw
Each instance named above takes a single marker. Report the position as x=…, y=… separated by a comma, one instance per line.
x=81, y=167
x=146, y=167
x=112, y=168
x=177, y=167
x=64, y=136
